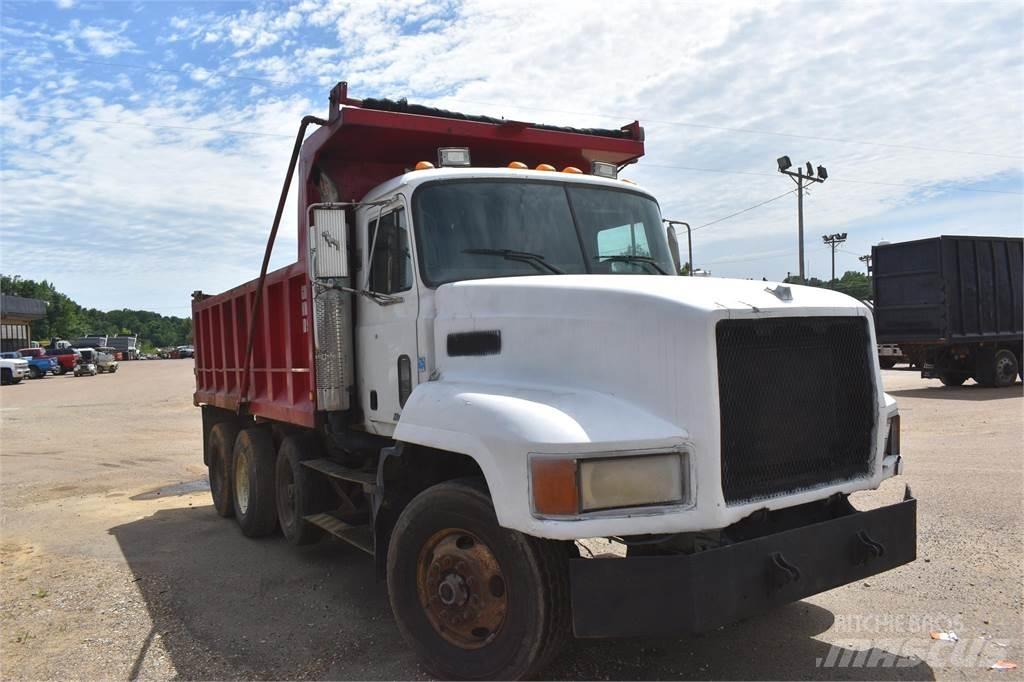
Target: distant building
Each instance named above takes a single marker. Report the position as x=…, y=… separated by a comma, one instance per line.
x=16, y=316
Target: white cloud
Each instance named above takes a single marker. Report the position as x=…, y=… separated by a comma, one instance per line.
x=105, y=41
x=946, y=76
x=65, y=4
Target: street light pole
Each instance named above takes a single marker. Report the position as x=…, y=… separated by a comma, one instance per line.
x=802, y=180
x=800, y=216
x=866, y=260
x=834, y=240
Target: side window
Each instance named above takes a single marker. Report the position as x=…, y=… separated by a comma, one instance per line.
x=391, y=261
x=624, y=240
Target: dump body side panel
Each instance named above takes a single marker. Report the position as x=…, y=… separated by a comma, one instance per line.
x=949, y=289
x=281, y=383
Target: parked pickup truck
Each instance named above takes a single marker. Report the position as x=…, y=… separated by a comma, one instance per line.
x=67, y=358
x=39, y=364
x=484, y=356
x=12, y=369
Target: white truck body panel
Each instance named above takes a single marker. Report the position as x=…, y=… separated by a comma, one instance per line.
x=653, y=340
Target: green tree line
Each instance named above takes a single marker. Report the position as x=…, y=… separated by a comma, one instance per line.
x=65, y=319
x=852, y=283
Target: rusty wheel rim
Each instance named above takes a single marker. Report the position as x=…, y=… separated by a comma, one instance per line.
x=461, y=588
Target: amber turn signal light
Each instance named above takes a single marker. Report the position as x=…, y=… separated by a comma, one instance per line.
x=555, y=492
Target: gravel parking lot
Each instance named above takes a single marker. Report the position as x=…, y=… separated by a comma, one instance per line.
x=113, y=564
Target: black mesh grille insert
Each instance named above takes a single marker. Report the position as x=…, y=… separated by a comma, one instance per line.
x=797, y=402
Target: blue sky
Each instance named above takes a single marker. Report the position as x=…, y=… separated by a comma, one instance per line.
x=142, y=145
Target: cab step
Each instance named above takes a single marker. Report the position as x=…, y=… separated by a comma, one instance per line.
x=358, y=536
x=367, y=479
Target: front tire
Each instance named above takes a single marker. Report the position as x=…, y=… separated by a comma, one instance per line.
x=6, y=377
x=951, y=379
x=34, y=373
x=474, y=600
x=887, y=362
x=254, y=498
x=220, y=460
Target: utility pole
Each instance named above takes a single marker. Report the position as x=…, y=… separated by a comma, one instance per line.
x=689, y=240
x=866, y=260
x=834, y=240
x=802, y=180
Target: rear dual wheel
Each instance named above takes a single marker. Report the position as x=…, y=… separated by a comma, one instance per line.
x=474, y=600
x=220, y=465
x=254, y=500
x=300, y=490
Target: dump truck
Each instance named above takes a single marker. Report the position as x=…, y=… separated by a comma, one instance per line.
x=484, y=358
x=954, y=306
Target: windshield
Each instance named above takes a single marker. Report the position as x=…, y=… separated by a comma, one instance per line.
x=500, y=228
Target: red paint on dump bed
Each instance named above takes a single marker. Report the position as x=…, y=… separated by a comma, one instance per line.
x=358, y=149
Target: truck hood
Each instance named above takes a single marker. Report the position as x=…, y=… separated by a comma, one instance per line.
x=648, y=340
x=602, y=295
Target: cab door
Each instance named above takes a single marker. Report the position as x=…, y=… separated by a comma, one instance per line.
x=386, y=322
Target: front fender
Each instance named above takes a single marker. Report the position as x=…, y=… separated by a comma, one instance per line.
x=499, y=426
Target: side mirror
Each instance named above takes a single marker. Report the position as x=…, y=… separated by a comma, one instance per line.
x=673, y=247
x=328, y=244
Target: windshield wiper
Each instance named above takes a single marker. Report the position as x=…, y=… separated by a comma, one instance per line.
x=626, y=258
x=534, y=259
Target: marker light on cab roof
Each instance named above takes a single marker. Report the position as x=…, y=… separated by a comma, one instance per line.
x=603, y=169
x=571, y=169
x=423, y=165
x=519, y=165
x=544, y=167
x=452, y=156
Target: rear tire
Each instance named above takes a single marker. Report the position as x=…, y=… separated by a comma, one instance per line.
x=300, y=490
x=253, y=478
x=502, y=596
x=220, y=458
x=997, y=369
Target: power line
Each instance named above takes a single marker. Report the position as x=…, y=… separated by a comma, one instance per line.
x=749, y=208
x=686, y=124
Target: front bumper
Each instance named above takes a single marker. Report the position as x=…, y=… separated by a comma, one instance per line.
x=686, y=593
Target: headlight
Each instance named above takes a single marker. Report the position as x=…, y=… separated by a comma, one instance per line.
x=566, y=487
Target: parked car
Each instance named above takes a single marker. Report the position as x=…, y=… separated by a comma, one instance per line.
x=86, y=364
x=67, y=358
x=184, y=352
x=106, y=360
x=12, y=370
x=38, y=365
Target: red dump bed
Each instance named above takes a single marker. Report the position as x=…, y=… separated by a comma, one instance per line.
x=363, y=144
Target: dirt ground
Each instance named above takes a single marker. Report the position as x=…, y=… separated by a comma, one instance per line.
x=114, y=565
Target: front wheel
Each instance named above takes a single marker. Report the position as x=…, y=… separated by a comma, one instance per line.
x=34, y=373
x=473, y=599
x=952, y=379
x=887, y=362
